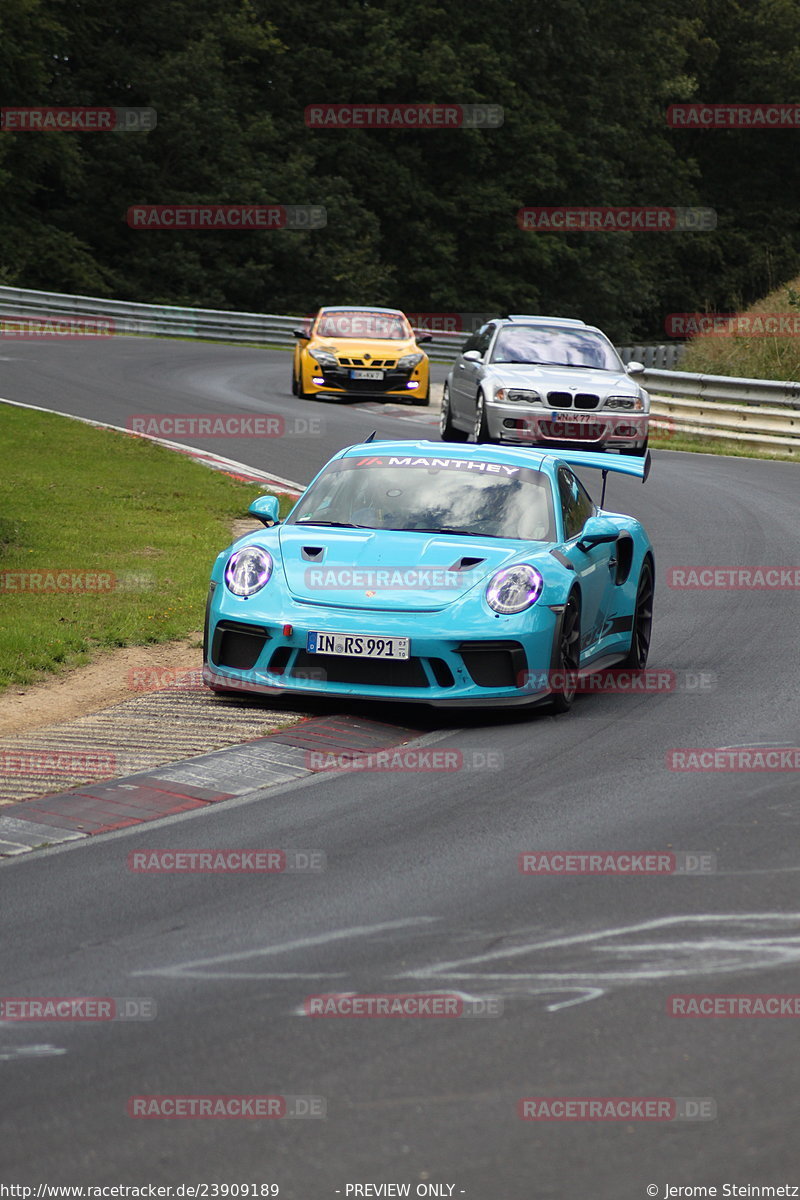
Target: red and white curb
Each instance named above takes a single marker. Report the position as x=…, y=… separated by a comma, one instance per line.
x=282, y=757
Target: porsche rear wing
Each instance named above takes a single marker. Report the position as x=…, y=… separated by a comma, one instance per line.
x=623, y=464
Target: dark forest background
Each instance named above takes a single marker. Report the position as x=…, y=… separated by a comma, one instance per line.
x=424, y=221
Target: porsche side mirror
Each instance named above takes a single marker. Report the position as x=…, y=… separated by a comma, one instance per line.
x=423, y=337
x=301, y=333
x=266, y=509
x=596, y=531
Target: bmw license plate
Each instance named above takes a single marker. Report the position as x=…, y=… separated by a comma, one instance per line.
x=358, y=645
x=366, y=374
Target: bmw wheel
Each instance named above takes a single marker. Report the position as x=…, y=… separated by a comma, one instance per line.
x=447, y=430
x=482, y=435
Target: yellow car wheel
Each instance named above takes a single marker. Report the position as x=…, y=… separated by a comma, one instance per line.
x=298, y=384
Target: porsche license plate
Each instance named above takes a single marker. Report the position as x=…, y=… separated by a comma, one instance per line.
x=358, y=645
x=366, y=374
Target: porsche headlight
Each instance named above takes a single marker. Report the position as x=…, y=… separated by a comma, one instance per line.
x=324, y=358
x=409, y=360
x=248, y=570
x=630, y=403
x=514, y=589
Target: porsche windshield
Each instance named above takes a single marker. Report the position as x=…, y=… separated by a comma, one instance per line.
x=554, y=346
x=362, y=325
x=431, y=495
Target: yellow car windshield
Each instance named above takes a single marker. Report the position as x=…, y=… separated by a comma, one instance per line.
x=354, y=324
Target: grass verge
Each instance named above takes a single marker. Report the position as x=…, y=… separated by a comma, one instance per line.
x=751, y=355
x=139, y=522
x=707, y=445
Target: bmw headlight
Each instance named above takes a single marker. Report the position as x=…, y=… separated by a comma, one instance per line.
x=248, y=570
x=409, y=360
x=514, y=589
x=625, y=402
x=516, y=394
x=324, y=358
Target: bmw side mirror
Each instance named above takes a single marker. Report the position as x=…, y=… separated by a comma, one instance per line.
x=596, y=531
x=472, y=356
x=635, y=368
x=266, y=509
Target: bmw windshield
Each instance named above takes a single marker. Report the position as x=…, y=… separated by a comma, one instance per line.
x=430, y=495
x=554, y=346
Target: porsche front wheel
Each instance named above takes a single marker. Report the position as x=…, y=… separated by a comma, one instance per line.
x=568, y=657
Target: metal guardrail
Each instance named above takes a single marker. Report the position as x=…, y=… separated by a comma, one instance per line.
x=753, y=411
x=725, y=388
x=761, y=413
x=665, y=356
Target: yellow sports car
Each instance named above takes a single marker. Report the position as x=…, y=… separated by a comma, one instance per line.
x=360, y=351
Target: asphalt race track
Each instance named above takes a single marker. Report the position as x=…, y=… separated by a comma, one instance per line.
x=422, y=892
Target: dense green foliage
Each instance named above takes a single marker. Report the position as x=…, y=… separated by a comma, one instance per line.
x=423, y=220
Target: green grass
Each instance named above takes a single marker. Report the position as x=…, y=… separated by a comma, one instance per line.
x=79, y=499
x=707, y=445
x=770, y=357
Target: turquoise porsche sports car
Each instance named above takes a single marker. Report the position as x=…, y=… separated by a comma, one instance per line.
x=435, y=573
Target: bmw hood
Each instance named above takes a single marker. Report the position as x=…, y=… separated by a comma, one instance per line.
x=381, y=569
x=545, y=379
